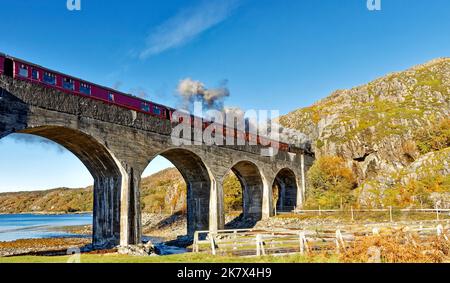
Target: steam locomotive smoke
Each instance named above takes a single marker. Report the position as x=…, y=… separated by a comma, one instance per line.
x=139, y=92
x=192, y=91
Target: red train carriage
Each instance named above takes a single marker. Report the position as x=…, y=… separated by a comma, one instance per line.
x=37, y=74
x=23, y=70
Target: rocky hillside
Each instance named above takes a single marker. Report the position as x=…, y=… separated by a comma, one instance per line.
x=393, y=132
x=163, y=192
x=373, y=126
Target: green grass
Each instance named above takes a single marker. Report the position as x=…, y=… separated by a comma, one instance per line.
x=185, y=258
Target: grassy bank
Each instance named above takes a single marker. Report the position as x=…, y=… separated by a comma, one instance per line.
x=188, y=257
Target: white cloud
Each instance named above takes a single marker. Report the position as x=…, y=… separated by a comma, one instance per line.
x=186, y=25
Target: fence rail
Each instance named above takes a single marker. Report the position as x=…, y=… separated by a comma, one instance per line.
x=258, y=242
x=352, y=212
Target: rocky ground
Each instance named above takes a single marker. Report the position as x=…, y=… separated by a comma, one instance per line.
x=170, y=229
x=53, y=246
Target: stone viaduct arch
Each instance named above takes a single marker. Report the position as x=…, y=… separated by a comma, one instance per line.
x=104, y=169
x=117, y=144
x=198, y=182
x=252, y=184
x=286, y=184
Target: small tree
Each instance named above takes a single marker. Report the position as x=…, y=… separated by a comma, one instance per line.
x=434, y=137
x=232, y=193
x=331, y=183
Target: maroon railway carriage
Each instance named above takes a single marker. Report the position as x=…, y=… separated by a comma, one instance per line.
x=23, y=70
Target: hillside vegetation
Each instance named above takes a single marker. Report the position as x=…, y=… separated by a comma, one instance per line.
x=164, y=192
x=393, y=133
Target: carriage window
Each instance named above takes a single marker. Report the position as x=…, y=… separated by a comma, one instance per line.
x=111, y=97
x=68, y=84
x=156, y=110
x=145, y=107
x=49, y=78
x=35, y=74
x=23, y=71
x=85, y=88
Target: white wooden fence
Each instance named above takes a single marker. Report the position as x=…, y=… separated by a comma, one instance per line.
x=352, y=212
x=257, y=242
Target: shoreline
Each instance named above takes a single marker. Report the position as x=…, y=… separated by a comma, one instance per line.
x=48, y=213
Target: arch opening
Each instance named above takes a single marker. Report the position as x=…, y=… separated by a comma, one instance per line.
x=105, y=172
x=233, y=200
x=284, y=190
x=163, y=200
x=252, y=186
x=176, y=195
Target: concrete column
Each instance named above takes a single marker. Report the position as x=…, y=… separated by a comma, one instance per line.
x=130, y=209
x=281, y=196
x=216, y=209
x=267, y=202
x=301, y=193
x=253, y=201
x=106, y=214
x=198, y=202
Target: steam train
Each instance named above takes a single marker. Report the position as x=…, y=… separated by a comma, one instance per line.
x=22, y=70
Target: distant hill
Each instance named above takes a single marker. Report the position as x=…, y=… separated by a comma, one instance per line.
x=164, y=191
x=56, y=200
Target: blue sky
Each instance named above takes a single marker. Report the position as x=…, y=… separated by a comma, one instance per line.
x=275, y=54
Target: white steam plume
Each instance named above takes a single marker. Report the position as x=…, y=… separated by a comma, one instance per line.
x=192, y=91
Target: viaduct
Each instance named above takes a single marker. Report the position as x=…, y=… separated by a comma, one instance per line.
x=117, y=144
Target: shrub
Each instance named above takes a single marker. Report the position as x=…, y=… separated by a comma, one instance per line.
x=410, y=150
x=232, y=193
x=331, y=183
x=434, y=138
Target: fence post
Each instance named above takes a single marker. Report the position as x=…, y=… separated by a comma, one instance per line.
x=213, y=244
x=375, y=231
x=339, y=241
x=301, y=235
x=320, y=212
x=440, y=232
x=390, y=214
x=353, y=215
x=196, y=242
x=437, y=213
x=259, y=245
x=303, y=242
